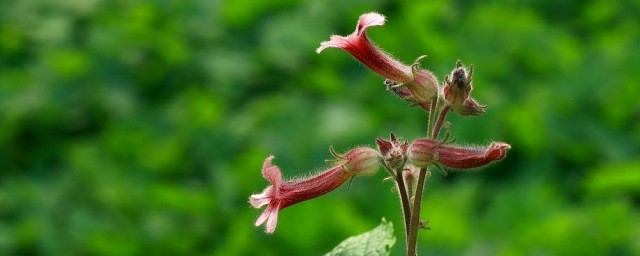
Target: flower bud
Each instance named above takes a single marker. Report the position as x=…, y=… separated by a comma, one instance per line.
x=424, y=86
x=410, y=174
x=400, y=91
x=458, y=85
x=422, y=152
x=457, y=91
x=471, y=107
x=358, y=161
x=472, y=157
x=406, y=94
x=393, y=152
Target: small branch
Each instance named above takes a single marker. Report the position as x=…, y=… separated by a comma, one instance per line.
x=432, y=115
x=441, y=116
x=409, y=184
x=415, y=215
x=404, y=199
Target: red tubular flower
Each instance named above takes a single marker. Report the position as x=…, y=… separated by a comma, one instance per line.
x=423, y=152
x=281, y=194
x=421, y=83
x=358, y=45
x=471, y=157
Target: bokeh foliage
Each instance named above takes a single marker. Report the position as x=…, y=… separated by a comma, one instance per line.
x=139, y=127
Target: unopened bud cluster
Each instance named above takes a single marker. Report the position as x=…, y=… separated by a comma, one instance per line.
x=393, y=151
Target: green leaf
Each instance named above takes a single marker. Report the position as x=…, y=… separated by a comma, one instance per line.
x=375, y=242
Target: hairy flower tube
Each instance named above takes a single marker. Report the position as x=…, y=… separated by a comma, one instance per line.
x=423, y=152
x=422, y=84
x=280, y=194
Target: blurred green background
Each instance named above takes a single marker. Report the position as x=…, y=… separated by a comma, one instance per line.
x=140, y=127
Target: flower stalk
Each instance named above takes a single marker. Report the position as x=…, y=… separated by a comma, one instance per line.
x=393, y=159
x=438, y=125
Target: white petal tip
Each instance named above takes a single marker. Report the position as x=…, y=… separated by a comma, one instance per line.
x=335, y=41
x=259, y=200
x=369, y=20
x=272, y=221
x=323, y=46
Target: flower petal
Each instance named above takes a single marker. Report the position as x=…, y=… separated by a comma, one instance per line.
x=263, y=216
x=272, y=220
x=369, y=20
x=259, y=200
x=384, y=146
x=272, y=173
x=334, y=42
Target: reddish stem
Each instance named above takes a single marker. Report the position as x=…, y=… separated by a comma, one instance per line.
x=412, y=245
x=438, y=126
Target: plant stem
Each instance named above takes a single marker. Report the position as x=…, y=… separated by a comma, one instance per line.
x=412, y=239
x=404, y=199
x=438, y=125
x=432, y=115
x=414, y=222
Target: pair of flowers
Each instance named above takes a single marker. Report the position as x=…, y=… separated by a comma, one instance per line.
x=364, y=161
x=411, y=83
